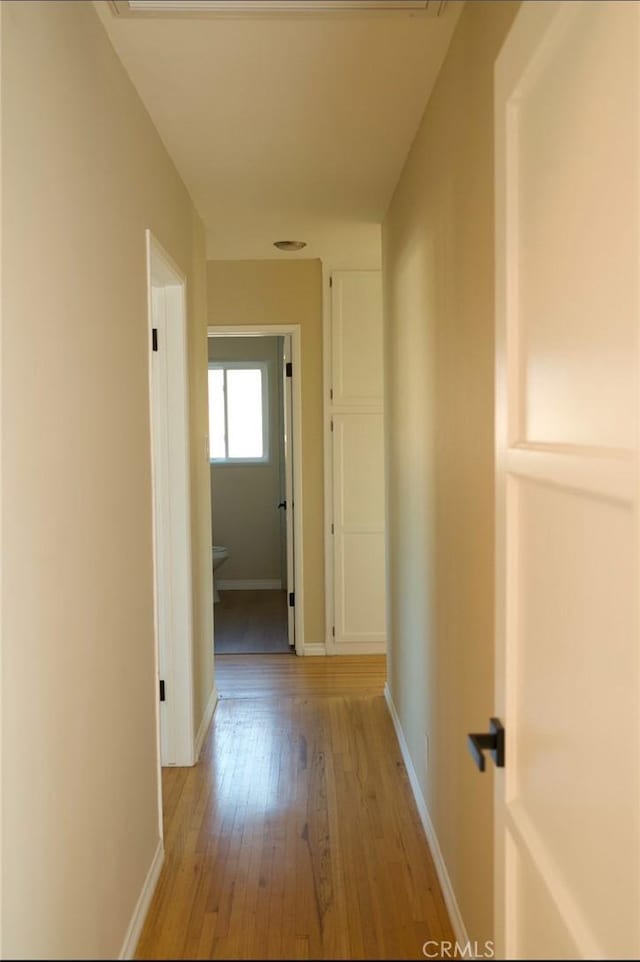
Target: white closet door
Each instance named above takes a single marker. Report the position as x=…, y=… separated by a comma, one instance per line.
x=356, y=311
x=358, y=538
x=359, y=549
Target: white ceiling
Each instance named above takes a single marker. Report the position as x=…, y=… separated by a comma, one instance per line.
x=286, y=127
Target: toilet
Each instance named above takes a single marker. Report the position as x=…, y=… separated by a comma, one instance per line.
x=219, y=556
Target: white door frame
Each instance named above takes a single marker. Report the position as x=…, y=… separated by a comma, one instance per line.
x=170, y=466
x=286, y=385
x=295, y=333
x=328, y=459
x=1, y=509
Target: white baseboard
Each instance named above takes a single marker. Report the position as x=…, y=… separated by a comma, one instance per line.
x=451, y=901
x=314, y=648
x=259, y=584
x=132, y=937
x=356, y=647
x=206, y=721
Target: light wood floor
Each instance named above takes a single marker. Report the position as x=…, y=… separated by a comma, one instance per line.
x=251, y=622
x=296, y=837
x=264, y=677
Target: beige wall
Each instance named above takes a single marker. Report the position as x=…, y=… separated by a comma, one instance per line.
x=287, y=292
x=438, y=280
x=245, y=496
x=84, y=173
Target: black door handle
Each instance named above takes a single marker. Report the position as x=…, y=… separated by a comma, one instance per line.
x=491, y=741
x=283, y=504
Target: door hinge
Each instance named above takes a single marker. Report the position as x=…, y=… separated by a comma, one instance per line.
x=331, y=394
x=162, y=691
x=332, y=424
x=331, y=282
x=333, y=530
x=292, y=599
x=289, y=369
x=333, y=631
x=154, y=338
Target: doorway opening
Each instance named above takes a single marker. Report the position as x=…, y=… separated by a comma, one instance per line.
x=254, y=454
x=169, y=411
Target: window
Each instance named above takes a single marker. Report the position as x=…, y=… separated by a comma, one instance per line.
x=238, y=411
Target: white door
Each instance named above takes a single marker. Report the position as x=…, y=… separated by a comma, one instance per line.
x=357, y=432
x=359, y=542
x=289, y=507
x=171, y=511
x=162, y=510
x=357, y=372
x=568, y=654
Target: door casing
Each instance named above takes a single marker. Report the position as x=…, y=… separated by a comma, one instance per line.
x=170, y=470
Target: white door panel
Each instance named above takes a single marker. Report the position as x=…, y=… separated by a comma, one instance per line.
x=360, y=609
x=359, y=569
x=570, y=137
x=356, y=310
x=359, y=448
x=567, y=652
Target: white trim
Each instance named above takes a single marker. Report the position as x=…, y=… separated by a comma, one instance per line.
x=459, y=928
x=315, y=648
x=249, y=584
x=328, y=460
x=2, y=733
x=206, y=722
x=132, y=937
x=278, y=330
x=252, y=330
x=287, y=561
x=156, y=641
x=179, y=722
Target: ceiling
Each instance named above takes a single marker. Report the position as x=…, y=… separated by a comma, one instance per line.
x=285, y=126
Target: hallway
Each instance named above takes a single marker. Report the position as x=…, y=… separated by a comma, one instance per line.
x=250, y=623
x=410, y=231
x=297, y=835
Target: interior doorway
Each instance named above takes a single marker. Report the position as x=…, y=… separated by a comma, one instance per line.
x=254, y=446
x=171, y=505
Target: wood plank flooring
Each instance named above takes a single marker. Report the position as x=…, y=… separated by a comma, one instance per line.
x=262, y=676
x=251, y=622
x=296, y=837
